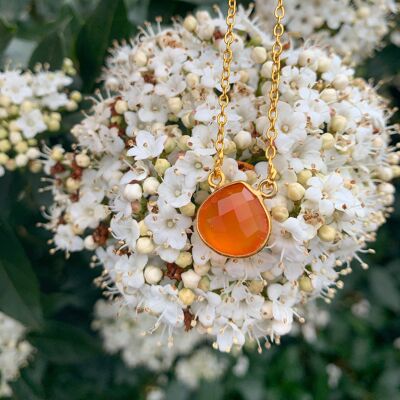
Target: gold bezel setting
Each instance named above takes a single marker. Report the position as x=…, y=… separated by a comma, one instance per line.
x=258, y=195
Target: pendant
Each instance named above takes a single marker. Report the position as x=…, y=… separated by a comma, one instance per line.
x=233, y=221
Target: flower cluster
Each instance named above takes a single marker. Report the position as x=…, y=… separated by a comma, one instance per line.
x=354, y=28
x=14, y=352
x=131, y=188
x=135, y=337
x=30, y=104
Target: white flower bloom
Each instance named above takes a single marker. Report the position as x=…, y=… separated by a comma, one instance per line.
x=354, y=28
x=169, y=227
x=147, y=146
x=334, y=164
x=15, y=352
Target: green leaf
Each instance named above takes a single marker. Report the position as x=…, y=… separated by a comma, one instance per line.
x=108, y=22
x=6, y=33
x=19, y=288
x=50, y=50
x=64, y=344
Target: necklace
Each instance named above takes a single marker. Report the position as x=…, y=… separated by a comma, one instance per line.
x=234, y=221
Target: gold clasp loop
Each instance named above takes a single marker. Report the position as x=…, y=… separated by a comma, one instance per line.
x=268, y=188
x=216, y=179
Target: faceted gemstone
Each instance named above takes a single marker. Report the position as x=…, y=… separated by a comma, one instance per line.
x=233, y=221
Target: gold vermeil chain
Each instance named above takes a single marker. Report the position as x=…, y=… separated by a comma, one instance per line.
x=267, y=187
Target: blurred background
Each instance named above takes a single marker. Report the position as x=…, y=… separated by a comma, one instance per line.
x=356, y=353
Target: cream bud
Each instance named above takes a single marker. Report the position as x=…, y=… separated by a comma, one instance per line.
x=295, y=191
x=259, y=55
x=189, y=210
x=338, y=123
x=161, y=166
x=82, y=160
x=133, y=191
x=184, y=259
x=280, y=213
x=243, y=140
x=190, y=279
x=187, y=296
x=175, y=104
x=327, y=233
x=144, y=245
x=190, y=23
x=121, y=107
x=153, y=274
x=89, y=243
x=150, y=185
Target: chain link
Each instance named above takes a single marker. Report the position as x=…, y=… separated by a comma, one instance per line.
x=217, y=177
x=268, y=187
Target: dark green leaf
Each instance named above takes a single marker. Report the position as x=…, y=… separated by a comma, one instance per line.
x=50, y=50
x=6, y=33
x=19, y=288
x=108, y=22
x=64, y=344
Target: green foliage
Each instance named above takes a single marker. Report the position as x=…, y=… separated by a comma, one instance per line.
x=69, y=363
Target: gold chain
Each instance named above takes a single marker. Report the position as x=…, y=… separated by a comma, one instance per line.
x=217, y=177
x=267, y=187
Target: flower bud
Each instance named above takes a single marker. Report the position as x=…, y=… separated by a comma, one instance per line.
x=15, y=137
x=153, y=274
x=82, y=160
x=150, y=185
x=3, y=158
x=204, y=284
x=35, y=166
x=112, y=83
x=324, y=63
x=305, y=284
x=140, y=58
x=190, y=23
x=21, y=160
x=71, y=106
x=205, y=31
x=280, y=213
x=5, y=145
x=266, y=310
x=184, y=259
x=5, y=101
x=89, y=243
x=143, y=229
x=295, y=191
x=393, y=158
x=202, y=269
x=133, y=191
x=188, y=120
x=259, y=55
x=187, y=296
x=21, y=147
x=338, y=123
x=340, y=82
x=385, y=173
x=26, y=106
x=145, y=245
x=11, y=165
x=304, y=176
x=161, y=166
x=190, y=279
x=183, y=142
x=53, y=125
x=189, y=210
x=256, y=286
x=251, y=176
x=262, y=124
x=328, y=141
x=266, y=70
x=72, y=185
x=121, y=107
x=329, y=95
x=3, y=133
x=175, y=104
x=243, y=140
x=76, y=96
x=327, y=233
x=244, y=76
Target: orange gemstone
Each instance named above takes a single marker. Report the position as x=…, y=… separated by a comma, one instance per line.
x=233, y=221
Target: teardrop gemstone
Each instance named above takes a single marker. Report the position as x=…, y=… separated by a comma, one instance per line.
x=233, y=221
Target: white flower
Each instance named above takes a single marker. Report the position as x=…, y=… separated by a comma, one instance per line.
x=65, y=239
x=174, y=190
x=31, y=123
x=147, y=146
x=15, y=352
x=169, y=227
x=334, y=164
